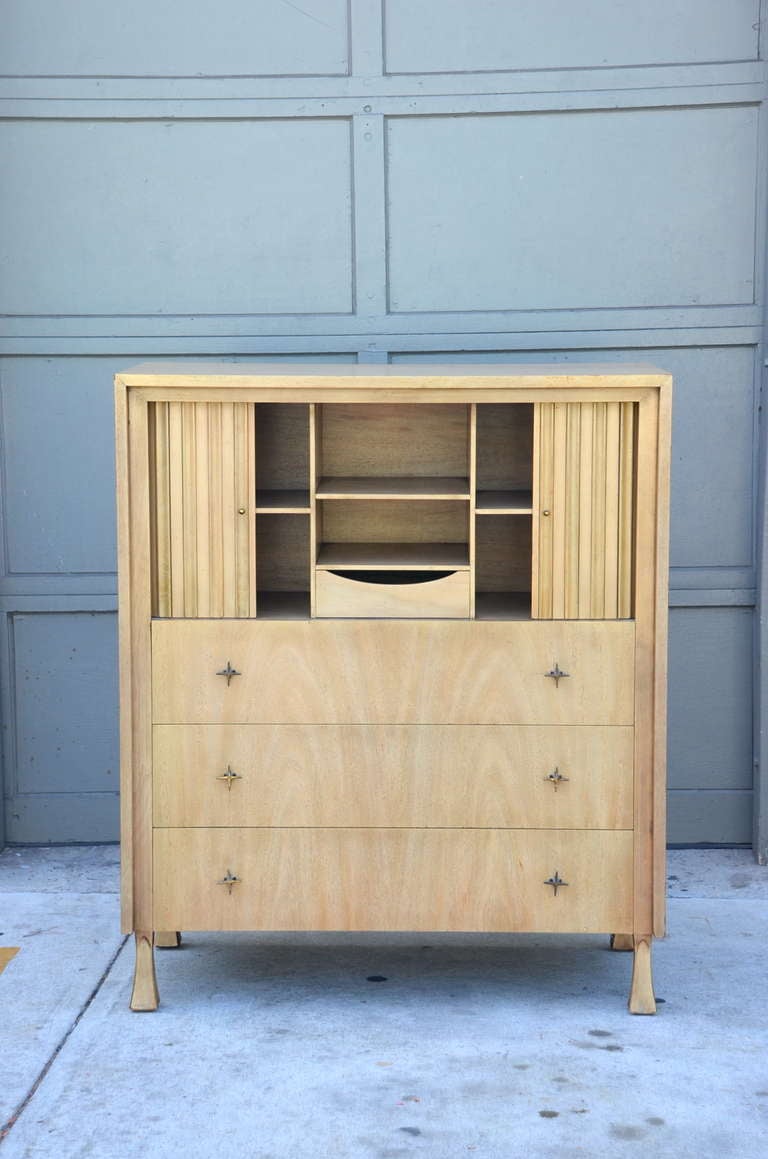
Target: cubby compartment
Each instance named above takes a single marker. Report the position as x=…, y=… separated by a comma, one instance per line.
x=502, y=567
x=282, y=566
x=282, y=457
x=373, y=534
x=504, y=457
x=399, y=451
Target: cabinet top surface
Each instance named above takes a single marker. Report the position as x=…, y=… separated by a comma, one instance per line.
x=189, y=373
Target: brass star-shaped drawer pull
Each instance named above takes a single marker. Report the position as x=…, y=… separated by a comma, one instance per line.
x=556, y=882
x=556, y=777
x=229, y=880
x=557, y=675
x=229, y=672
x=229, y=777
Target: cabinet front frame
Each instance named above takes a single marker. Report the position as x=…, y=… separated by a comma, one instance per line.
x=651, y=390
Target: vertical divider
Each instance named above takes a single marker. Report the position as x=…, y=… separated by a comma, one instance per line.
x=315, y=514
x=472, y=471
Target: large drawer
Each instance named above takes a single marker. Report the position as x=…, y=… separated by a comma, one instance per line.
x=496, y=776
x=392, y=879
x=392, y=672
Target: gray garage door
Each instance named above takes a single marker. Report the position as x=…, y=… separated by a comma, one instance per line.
x=462, y=180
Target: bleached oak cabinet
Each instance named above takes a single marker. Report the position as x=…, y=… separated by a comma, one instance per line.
x=392, y=648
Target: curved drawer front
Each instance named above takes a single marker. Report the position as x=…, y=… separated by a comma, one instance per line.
x=392, y=879
x=392, y=672
x=498, y=776
x=346, y=598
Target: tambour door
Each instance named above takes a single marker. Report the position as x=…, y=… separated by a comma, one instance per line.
x=584, y=488
x=201, y=474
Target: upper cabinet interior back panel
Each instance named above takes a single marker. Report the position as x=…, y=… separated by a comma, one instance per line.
x=484, y=36
x=162, y=38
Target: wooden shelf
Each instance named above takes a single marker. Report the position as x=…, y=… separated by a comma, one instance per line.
x=282, y=605
x=503, y=606
x=282, y=502
x=393, y=556
x=410, y=487
x=504, y=503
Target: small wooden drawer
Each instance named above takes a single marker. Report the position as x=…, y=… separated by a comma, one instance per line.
x=392, y=879
x=392, y=672
x=500, y=776
x=397, y=596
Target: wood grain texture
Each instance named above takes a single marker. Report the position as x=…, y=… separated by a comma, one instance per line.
x=646, y=582
x=392, y=521
x=136, y=701
x=583, y=549
x=393, y=775
x=343, y=598
x=144, y=995
x=201, y=503
x=392, y=879
x=641, y=997
x=125, y=654
x=504, y=447
x=394, y=441
x=393, y=672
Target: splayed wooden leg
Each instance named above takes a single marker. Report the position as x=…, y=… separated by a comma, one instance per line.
x=167, y=939
x=622, y=942
x=641, y=999
x=145, y=995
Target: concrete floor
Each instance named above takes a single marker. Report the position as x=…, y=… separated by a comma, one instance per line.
x=280, y=1047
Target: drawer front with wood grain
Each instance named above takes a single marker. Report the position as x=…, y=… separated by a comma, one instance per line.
x=498, y=776
x=345, y=597
x=392, y=879
x=392, y=672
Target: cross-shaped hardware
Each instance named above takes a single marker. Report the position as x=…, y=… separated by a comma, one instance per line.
x=556, y=675
x=555, y=882
x=229, y=672
x=230, y=880
x=556, y=777
x=229, y=777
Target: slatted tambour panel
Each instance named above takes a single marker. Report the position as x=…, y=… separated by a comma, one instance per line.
x=202, y=487
x=584, y=515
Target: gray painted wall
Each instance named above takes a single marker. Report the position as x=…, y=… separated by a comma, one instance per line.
x=407, y=180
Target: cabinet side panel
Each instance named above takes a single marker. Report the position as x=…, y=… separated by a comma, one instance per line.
x=124, y=628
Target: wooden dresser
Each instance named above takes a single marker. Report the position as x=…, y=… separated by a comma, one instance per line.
x=393, y=651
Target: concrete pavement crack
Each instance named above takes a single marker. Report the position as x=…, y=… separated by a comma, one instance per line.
x=8, y=1126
